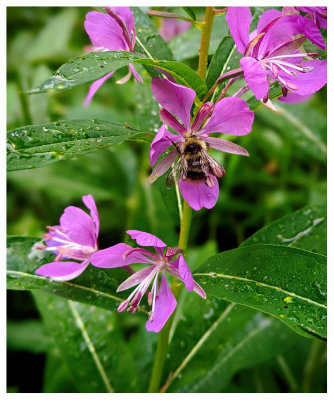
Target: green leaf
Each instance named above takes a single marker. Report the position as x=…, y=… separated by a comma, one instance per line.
x=90, y=343
x=39, y=145
x=27, y=335
x=287, y=283
x=181, y=72
x=149, y=41
x=213, y=340
x=190, y=12
x=303, y=229
x=95, y=286
x=220, y=60
x=84, y=69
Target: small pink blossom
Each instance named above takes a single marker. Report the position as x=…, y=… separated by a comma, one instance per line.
x=172, y=27
x=165, y=259
x=74, y=238
x=272, y=53
x=110, y=32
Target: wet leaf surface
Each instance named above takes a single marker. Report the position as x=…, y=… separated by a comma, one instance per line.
x=95, y=286
x=304, y=229
x=90, y=343
x=39, y=145
x=287, y=283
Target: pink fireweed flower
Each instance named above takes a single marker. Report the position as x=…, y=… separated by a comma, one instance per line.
x=74, y=238
x=230, y=115
x=316, y=14
x=164, y=259
x=271, y=52
x=172, y=27
x=110, y=32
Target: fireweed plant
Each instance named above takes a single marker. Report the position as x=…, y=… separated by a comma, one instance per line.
x=279, y=57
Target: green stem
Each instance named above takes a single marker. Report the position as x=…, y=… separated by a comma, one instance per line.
x=205, y=41
x=163, y=337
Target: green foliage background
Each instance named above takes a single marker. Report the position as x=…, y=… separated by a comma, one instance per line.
x=285, y=172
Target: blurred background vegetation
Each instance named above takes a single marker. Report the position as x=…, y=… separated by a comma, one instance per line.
x=286, y=170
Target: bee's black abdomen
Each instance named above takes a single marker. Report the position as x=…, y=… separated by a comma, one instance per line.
x=195, y=175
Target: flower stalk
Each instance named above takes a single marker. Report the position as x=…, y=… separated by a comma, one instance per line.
x=163, y=337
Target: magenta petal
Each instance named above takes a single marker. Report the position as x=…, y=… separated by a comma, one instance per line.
x=104, y=31
x=294, y=98
x=309, y=82
x=112, y=257
x=177, y=99
x=62, y=270
x=163, y=165
x=94, y=87
x=239, y=19
x=136, y=278
x=311, y=31
x=164, y=307
x=145, y=239
x=201, y=115
x=255, y=76
x=198, y=289
x=267, y=17
x=226, y=146
x=184, y=272
x=231, y=115
x=168, y=119
x=199, y=195
x=163, y=139
x=124, y=13
x=137, y=77
x=78, y=226
x=89, y=202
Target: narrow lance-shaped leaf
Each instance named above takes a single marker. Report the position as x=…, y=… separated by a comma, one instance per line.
x=229, y=338
x=220, y=60
x=303, y=229
x=90, y=343
x=149, y=41
x=96, y=286
x=85, y=69
x=39, y=145
x=287, y=283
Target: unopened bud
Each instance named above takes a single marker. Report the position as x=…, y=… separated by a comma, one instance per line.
x=149, y=298
x=122, y=306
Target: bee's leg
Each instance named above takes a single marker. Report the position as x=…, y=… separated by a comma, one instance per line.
x=184, y=168
x=175, y=145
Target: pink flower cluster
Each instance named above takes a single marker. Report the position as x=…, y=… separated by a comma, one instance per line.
x=76, y=238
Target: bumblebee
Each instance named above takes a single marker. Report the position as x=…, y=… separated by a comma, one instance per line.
x=195, y=164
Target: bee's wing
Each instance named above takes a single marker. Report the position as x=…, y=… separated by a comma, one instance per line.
x=211, y=166
x=175, y=174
